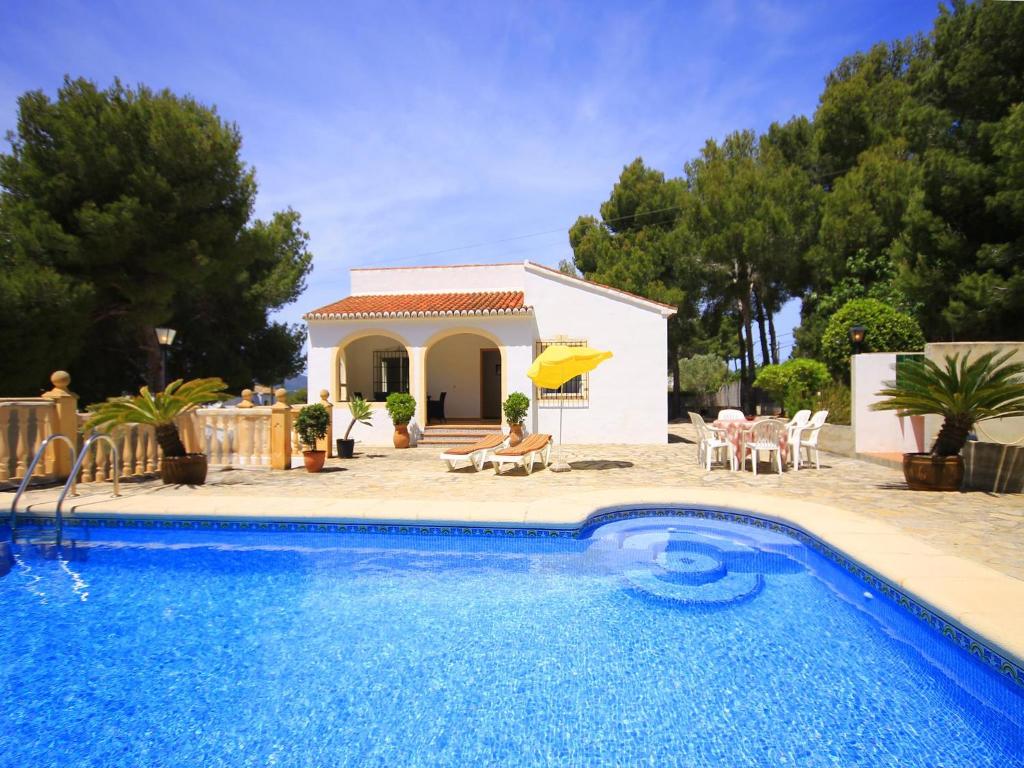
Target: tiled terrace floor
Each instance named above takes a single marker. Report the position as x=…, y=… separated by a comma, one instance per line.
x=986, y=528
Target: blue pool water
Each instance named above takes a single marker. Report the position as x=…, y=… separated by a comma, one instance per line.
x=651, y=642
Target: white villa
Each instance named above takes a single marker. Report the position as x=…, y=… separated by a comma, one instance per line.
x=459, y=339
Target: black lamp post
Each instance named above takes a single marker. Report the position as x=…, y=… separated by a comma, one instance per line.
x=164, y=337
x=857, y=333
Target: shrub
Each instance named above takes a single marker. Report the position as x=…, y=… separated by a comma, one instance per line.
x=834, y=397
x=515, y=407
x=702, y=374
x=887, y=330
x=401, y=407
x=794, y=383
x=311, y=424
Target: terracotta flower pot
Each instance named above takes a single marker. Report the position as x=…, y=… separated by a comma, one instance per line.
x=401, y=436
x=314, y=460
x=925, y=472
x=515, y=434
x=189, y=469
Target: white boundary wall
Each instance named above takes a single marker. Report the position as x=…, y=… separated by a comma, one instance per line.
x=880, y=431
x=1006, y=431
x=885, y=432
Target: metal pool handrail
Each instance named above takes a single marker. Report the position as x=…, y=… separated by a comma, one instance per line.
x=73, y=477
x=32, y=467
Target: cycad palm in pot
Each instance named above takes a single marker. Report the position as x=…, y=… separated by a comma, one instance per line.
x=160, y=410
x=963, y=393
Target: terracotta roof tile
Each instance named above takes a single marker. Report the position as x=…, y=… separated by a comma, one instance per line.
x=423, y=304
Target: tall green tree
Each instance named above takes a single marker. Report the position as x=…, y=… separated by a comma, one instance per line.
x=136, y=207
x=753, y=215
x=922, y=139
x=638, y=247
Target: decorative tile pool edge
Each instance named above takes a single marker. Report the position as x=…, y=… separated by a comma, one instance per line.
x=947, y=630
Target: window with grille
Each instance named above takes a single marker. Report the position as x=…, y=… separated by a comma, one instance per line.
x=390, y=373
x=576, y=390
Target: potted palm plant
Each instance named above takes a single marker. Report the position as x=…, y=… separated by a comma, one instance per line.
x=963, y=393
x=311, y=426
x=515, y=407
x=362, y=413
x=401, y=408
x=159, y=410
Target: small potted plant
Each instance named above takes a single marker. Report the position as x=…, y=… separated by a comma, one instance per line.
x=963, y=393
x=515, y=407
x=311, y=425
x=160, y=409
x=362, y=413
x=401, y=408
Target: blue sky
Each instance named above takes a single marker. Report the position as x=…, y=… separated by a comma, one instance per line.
x=403, y=132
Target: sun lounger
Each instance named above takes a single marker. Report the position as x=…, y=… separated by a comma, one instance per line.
x=525, y=454
x=477, y=454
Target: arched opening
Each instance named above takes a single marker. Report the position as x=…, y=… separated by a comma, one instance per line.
x=372, y=366
x=465, y=372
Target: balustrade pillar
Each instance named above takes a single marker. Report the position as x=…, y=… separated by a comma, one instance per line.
x=281, y=431
x=326, y=443
x=65, y=423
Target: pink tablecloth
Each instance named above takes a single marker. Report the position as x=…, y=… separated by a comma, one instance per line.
x=738, y=430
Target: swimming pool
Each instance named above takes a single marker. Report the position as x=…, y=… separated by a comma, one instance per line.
x=670, y=641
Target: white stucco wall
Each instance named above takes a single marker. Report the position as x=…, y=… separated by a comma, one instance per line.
x=484, y=277
x=1006, y=431
x=627, y=402
x=880, y=431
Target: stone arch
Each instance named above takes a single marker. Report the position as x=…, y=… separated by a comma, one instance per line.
x=340, y=364
x=447, y=333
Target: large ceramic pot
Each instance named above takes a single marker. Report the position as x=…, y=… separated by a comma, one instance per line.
x=515, y=434
x=401, y=436
x=345, y=447
x=314, y=460
x=189, y=469
x=925, y=472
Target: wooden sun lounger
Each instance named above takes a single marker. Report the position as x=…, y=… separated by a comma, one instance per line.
x=477, y=454
x=525, y=454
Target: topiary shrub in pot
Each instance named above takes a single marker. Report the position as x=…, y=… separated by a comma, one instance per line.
x=362, y=413
x=159, y=410
x=311, y=426
x=963, y=393
x=515, y=407
x=401, y=408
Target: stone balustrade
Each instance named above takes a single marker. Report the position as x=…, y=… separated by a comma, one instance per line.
x=241, y=436
x=24, y=424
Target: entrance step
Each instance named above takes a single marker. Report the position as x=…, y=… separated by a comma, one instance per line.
x=457, y=434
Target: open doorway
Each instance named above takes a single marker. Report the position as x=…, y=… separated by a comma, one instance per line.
x=490, y=384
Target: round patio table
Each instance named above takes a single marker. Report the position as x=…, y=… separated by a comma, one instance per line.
x=736, y=431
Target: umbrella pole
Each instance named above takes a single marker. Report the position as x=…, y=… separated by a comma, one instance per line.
x=559, y=465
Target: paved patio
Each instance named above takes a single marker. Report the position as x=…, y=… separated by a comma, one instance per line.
x=985, y=528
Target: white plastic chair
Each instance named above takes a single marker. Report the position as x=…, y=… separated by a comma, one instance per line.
x=710, y=441
x=765, y=436
x=732, y=414
x=805, y=438
x=799, y=420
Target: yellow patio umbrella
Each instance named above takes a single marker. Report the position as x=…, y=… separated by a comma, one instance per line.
x=558, y=364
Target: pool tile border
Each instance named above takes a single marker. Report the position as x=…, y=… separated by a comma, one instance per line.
x=943, y=628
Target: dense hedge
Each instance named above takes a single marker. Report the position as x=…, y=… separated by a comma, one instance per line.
x=888, y=330
x=795, y=383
